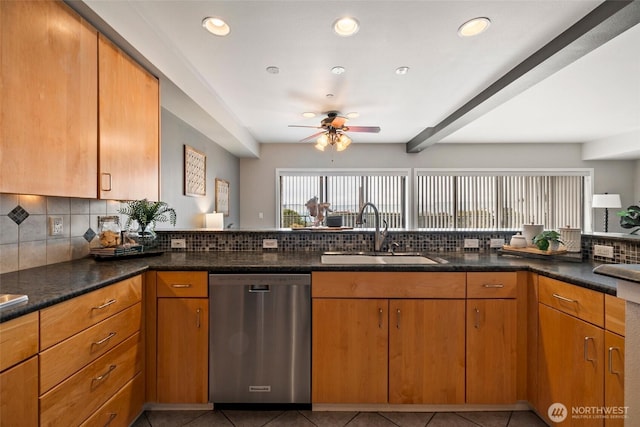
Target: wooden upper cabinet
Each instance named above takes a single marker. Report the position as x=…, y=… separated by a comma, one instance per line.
x=48, y=100
x=129, y=143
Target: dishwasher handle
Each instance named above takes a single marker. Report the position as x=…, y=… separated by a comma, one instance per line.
x=259, y=288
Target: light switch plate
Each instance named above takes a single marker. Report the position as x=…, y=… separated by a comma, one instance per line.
x=269, y=243
x=471, y=243
x=603, y=251
x=496, y=243
x=178, y=244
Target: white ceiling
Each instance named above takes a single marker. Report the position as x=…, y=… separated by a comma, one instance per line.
x=232, y=99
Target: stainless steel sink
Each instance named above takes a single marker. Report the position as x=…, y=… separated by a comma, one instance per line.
x=368, y=258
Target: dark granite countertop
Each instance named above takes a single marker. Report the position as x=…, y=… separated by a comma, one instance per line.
x=51, y=284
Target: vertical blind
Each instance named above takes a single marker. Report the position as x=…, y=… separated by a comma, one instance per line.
x=499, y=201
x=441, y=199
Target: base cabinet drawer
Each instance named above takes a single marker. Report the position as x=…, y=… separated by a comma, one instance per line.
x=76, y=398
x=122, y=408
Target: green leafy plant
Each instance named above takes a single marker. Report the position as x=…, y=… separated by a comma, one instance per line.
x=147, y=213
x=544, y=239
x=630, y=218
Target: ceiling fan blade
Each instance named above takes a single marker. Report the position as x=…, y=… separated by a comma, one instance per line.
x=302, y=126
x=338, y=122
x=370, y=129
x=312, y=136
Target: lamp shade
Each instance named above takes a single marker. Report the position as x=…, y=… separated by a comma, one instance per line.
x=606, y=201
x=214, y=221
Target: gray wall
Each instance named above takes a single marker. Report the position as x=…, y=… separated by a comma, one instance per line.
x=257, y=176
x=220, y=164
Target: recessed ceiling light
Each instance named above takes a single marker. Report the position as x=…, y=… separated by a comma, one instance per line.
x=216, y=26
x=273, y=69
x=346, y=26
x=353, y=115
x=338, y=70
x=474, y=27
x=329, y=95
x=402, y=70
x=308, y=115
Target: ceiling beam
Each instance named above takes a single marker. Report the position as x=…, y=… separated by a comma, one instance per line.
x=605, y=22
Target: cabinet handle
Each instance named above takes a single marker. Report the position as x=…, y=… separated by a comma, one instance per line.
x=108, y=181
x=181, y=285
x=105, y=375
x=398, y=319
x=561, y=298
x=477, y=318
x=105, y=339
x=586, y=348
x=198, y=318
x=105, y=305
x=112, y=416
x=611, y=350
x=380, y=318
x=493, y=285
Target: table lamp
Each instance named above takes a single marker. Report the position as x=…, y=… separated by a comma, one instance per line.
x=606, y=201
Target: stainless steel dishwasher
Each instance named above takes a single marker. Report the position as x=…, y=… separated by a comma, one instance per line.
x=260, y=339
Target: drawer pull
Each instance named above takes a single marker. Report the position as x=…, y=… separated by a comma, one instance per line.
x=105, y=182
x=179, y=285
x=561, y=298
x=398, y=313
x=105, y=339
x=105, y=375
x=477, y=318
x=198, y=318
x=380, y=318
x=493, y=285
x=611, y=350
x=586, y=348
x=105, y=305
x=112, y=416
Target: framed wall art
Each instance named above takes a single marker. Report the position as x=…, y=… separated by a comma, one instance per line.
x=195, y=172
x=222, y=196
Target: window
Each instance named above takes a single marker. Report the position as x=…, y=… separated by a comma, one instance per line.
x=345, y=191
x=486, y=199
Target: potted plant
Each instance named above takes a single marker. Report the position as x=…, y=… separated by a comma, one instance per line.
x=547, y=240
x=146, y=214
x=630, y=218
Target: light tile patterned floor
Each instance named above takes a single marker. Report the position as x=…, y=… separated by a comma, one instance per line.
x=236, y=418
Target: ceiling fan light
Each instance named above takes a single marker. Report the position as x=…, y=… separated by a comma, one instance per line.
x=216, y=26
x=346, y=26
x=474, y=27
x=323, y=140
x=319, y=147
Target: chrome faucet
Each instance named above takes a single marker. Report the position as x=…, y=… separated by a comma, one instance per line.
x=380, y=236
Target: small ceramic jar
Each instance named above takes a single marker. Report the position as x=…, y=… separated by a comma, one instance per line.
x=518, y=241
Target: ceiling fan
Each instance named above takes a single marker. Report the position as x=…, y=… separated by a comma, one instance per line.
x=333, y=131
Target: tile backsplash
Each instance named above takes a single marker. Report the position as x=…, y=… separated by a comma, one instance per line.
x=25, y=240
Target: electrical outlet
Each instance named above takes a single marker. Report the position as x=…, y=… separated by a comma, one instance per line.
x=178, y=244
x=270, y=243
x=471, y=243
x=56, y=226
x=603, y=251
x=496, y=243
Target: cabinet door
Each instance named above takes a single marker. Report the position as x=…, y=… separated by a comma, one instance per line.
x=183, y=350
x=571, y=365
x=614, y=377
x=19, y=395
x=48, y=100
x=491, y=351
x=128, y=123
x=349, y=342
x=426, y=351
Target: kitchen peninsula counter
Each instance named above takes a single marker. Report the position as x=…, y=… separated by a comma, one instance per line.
x=54, y=283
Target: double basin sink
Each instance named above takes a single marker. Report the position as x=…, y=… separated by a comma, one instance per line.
x=379, y=258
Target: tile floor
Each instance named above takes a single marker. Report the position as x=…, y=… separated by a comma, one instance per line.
x=237, y=418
